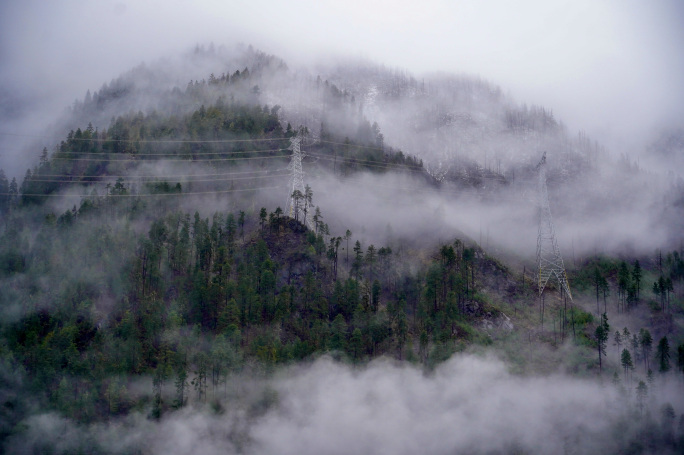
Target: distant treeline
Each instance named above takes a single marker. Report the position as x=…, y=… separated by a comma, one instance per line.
x=223, y=136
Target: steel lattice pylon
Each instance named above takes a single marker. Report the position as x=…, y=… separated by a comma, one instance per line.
x=297, y=180
x=549, y=259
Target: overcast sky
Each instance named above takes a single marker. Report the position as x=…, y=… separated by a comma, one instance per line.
x=614, y=68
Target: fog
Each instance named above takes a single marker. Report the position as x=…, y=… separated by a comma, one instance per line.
x=447, y=82
x=481, y=162
x=613, y=68
x=468, y=404
x=401, y=210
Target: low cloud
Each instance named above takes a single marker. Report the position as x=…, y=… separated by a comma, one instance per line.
x=469, y=404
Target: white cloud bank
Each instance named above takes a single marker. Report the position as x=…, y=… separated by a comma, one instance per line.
x=468, y=405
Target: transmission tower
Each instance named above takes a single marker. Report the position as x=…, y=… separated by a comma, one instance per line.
x=297, y=180
x=549, y=259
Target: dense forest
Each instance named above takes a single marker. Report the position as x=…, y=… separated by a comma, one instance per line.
x=134, y=283
x=119, y=285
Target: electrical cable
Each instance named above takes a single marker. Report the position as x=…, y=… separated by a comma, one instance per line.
x=170, y=141
x=162, y=178
x=150, y=195
x=207, y=160
x=168, y=176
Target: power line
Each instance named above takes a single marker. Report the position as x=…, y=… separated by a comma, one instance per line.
x=411, y=189
x=162, y=178
x=201, y=141
x=353, y=145
x=146, y=141
x=148, y=195
x=168, y=176
x=207, y=160
x=406, y=167
x=187, y=141
x=106, y=154
x=370, y=163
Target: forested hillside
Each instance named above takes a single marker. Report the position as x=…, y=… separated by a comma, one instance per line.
x=119, y=284
x=150, y=265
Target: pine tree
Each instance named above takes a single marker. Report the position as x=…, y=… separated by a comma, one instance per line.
x=317, y=220
x=424, y=341
x=624, y=282
x=667, y=415
x=402, y=332
x=646, y=343
x=241, y=223
x=4, y=192
x=347, y=236
x=602, y=333
x=636, y=277
x=626, y=361
x=262, y=217
x=356, y=343
x=616, y=378
x=641, y=394
x=229, y=232
x=297, y=197
x=181, y=382
x=617, y=340
x=370, y=260
x=358, y=260
x=308, y=201
x=597, y=285
x=663, y=355
x=13, y=194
